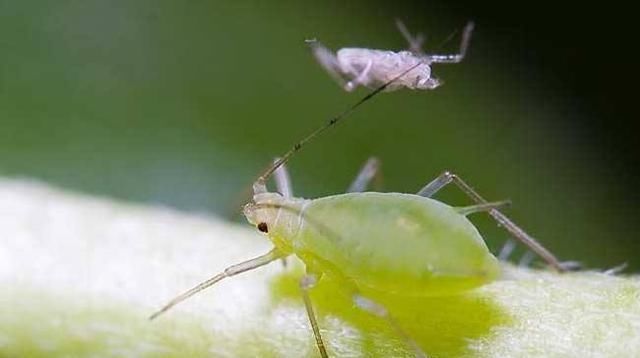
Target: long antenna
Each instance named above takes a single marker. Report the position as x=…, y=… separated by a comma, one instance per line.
x=260, y=183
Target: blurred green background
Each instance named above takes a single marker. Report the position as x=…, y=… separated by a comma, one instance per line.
x=183, y=103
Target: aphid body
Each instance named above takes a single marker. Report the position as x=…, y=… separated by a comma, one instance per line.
x=373, y=68
x=353, y=67
x=396, y=243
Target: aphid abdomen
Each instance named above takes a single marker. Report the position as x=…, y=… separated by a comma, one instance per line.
x=399, y=243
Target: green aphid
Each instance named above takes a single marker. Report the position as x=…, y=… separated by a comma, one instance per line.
x=404, y=244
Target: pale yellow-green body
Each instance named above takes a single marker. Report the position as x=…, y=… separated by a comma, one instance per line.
x=395, y=243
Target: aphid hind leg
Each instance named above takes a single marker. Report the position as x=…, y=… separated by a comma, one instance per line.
x=464, y=45
x=377, y=309
x=435, y=185
x=510, y=245
x=307, y=282
x=448, y=177
x=615, y=270
x=468, y=210
x=369, y=171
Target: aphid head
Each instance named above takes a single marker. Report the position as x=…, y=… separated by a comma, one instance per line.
x=263, y=210
x=277, y=217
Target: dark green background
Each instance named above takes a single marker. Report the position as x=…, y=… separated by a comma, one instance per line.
x=182, y=103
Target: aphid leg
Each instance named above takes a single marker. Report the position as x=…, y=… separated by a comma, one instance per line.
x=283, y=180
x=307, y=282
x=464, y=44
x=506, y=250
x=230, y=271
x=351, y=85
x=526, y=259
x=369, y=171
x=436, y=184
x=380, y=311
x=415, y=43
x=283, y=185
x=571, y=265
x=468, y=210
x=448, y=177
x=615, y=270
x=327, y=60
x=433, y=83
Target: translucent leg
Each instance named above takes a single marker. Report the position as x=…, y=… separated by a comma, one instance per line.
x=415, y=43
x=506, y=250
x=374, y=308
x=283, y=185
x=228, y=272
x=369, y=170
x=327, y=60
x=448, y=177
x=615, y=270
x=306, y=283
x=283, y=180
x=433, y=83
x=527, y=259
x=468, y=210
x=464, y=44
x=351, y=85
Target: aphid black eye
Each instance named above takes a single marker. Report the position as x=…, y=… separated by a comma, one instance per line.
x=263, y=227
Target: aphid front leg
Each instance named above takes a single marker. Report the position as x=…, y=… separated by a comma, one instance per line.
x=377, y=309
x=432, y=83
x=464, y=44
x=354, y=83
x=468, y=210
x=327, y=60
x=283, y=185
x=283, y=180
x=230, y=271
x=307, y=282
x=369, y=171
x=448, y=177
